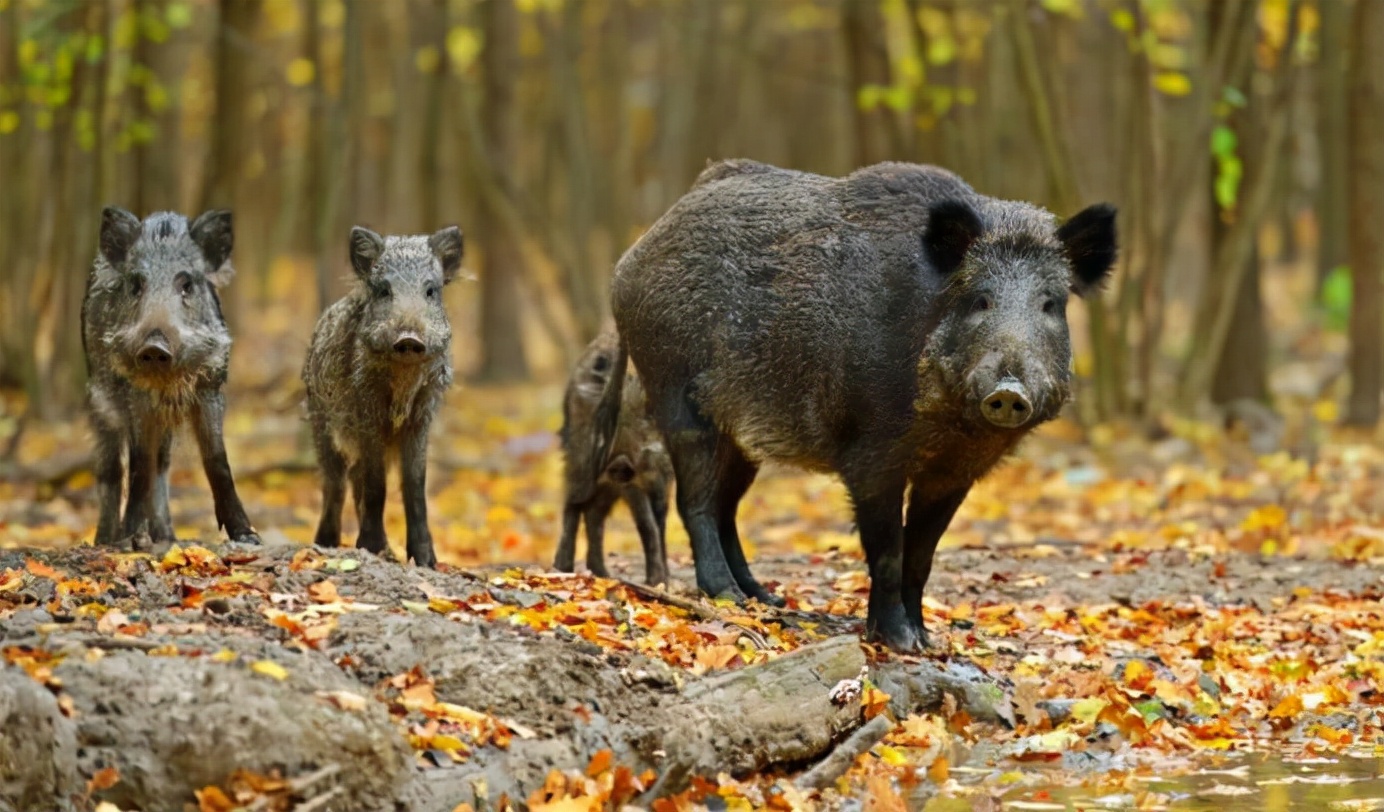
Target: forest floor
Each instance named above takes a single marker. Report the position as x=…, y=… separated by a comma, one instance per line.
x=1116, y=623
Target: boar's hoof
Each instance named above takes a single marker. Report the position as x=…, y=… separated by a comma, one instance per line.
x=1008, y=405
x=248, y=537
x=900, y=636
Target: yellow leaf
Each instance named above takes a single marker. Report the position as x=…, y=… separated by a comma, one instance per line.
x=1172, y=83
x=1291, y=705
x=1086, y=710
x=1325, y=411
x=1268, y=517
x=225, y=655
x=300, y=72
x=891, y=756
x=269, y=668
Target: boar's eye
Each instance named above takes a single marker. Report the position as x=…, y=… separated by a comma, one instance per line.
x=1050, y=306
x=183, y=283
x=431, y=292
x=382, y=290
x=136, y=286
x=982, y=302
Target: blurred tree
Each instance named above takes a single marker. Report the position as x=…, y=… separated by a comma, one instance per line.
x=1366, y=212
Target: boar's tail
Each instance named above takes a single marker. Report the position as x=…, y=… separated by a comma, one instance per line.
x=607, y=417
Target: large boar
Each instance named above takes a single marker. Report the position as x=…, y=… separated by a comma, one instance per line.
x=893, y=326
x=157, y=353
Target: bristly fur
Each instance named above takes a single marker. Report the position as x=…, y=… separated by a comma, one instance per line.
x=368, y=401
x=859, y=325
x=156, y=281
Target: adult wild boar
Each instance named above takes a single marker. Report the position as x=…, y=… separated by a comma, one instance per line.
x=894, y=327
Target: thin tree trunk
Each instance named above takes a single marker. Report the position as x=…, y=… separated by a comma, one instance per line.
x=1366, y=208
x=502, y=342
x=1333, y=122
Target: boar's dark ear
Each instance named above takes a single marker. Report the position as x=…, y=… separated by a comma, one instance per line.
x=366, y=247
x=213, y=234
x=447, y=247
x=1089, y=240
x=119, y=230
x=952, y=228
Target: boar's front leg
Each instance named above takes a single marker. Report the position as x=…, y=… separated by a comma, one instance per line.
x=140, y=513
x=110, y=475
x=368, y=489
x=334, y=469
x=879, y=515
x=413, y=459
x=161, y=528
x=928, y=517
x=207, y=420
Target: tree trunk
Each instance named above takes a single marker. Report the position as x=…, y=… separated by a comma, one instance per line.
x=502, y=343
x=1332, y=135
x=156, y=157
x=1366, y=189
x=868, y=64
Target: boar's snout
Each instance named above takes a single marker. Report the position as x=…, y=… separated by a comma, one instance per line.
x=154, y=353
x=1008, y=404
x=410, y=346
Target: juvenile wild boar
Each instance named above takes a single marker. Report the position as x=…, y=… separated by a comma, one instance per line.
x=893, y=326
x=157, y=352
x=378, y=366
x=637, y=469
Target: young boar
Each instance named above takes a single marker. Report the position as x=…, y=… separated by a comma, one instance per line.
x=893, y=326
x=378, y=366
x=637, y=469
x=157, y=351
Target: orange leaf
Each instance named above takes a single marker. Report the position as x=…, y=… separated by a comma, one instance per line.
x=42, y=570
x=103, y=779
x=212, y=799
x=1290, y=706
x=939, y=770
x=323, y=592
x=600, y=763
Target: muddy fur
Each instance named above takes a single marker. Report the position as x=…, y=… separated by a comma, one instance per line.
x=859, y=325
x=377, y=369
x=637, y=469
x=157, y=352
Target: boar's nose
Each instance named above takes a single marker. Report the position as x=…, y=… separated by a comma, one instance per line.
x=155, y=353
x=1008, y=405
x=409, y=344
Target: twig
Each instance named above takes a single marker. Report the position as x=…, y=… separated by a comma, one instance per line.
x=320, y=801
x=88, y=640
x=693, y=608
x=835, y=765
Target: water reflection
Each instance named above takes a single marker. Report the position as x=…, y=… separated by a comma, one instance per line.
x=1253, y=782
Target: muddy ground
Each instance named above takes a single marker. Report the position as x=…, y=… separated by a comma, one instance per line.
x=176, y=670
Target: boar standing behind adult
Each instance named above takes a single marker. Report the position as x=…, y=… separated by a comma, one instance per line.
x=157, y=353
x=893, y=326
x=378, y=366
x=637, y=469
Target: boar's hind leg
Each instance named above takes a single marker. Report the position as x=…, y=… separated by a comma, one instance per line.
x=595, y=513
x=737, y=474
x=110, y=473
x=333, y=467
x=418, y=544
x=655, y=558
x=161, y=526
x=566, y=558
x=878, y=513
x=230, y=513
x=927, y=520
x=692, y=445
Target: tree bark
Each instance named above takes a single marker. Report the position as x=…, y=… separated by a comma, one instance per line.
x=1333, y=126
x=502, y=340
x=1366, y=209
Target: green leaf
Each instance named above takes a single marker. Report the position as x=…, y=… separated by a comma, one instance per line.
x=1122, y=20
x=178, y=15
x=1233, y=97
x=1223, y=141
x=1336, y=298
x=1227, y=183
